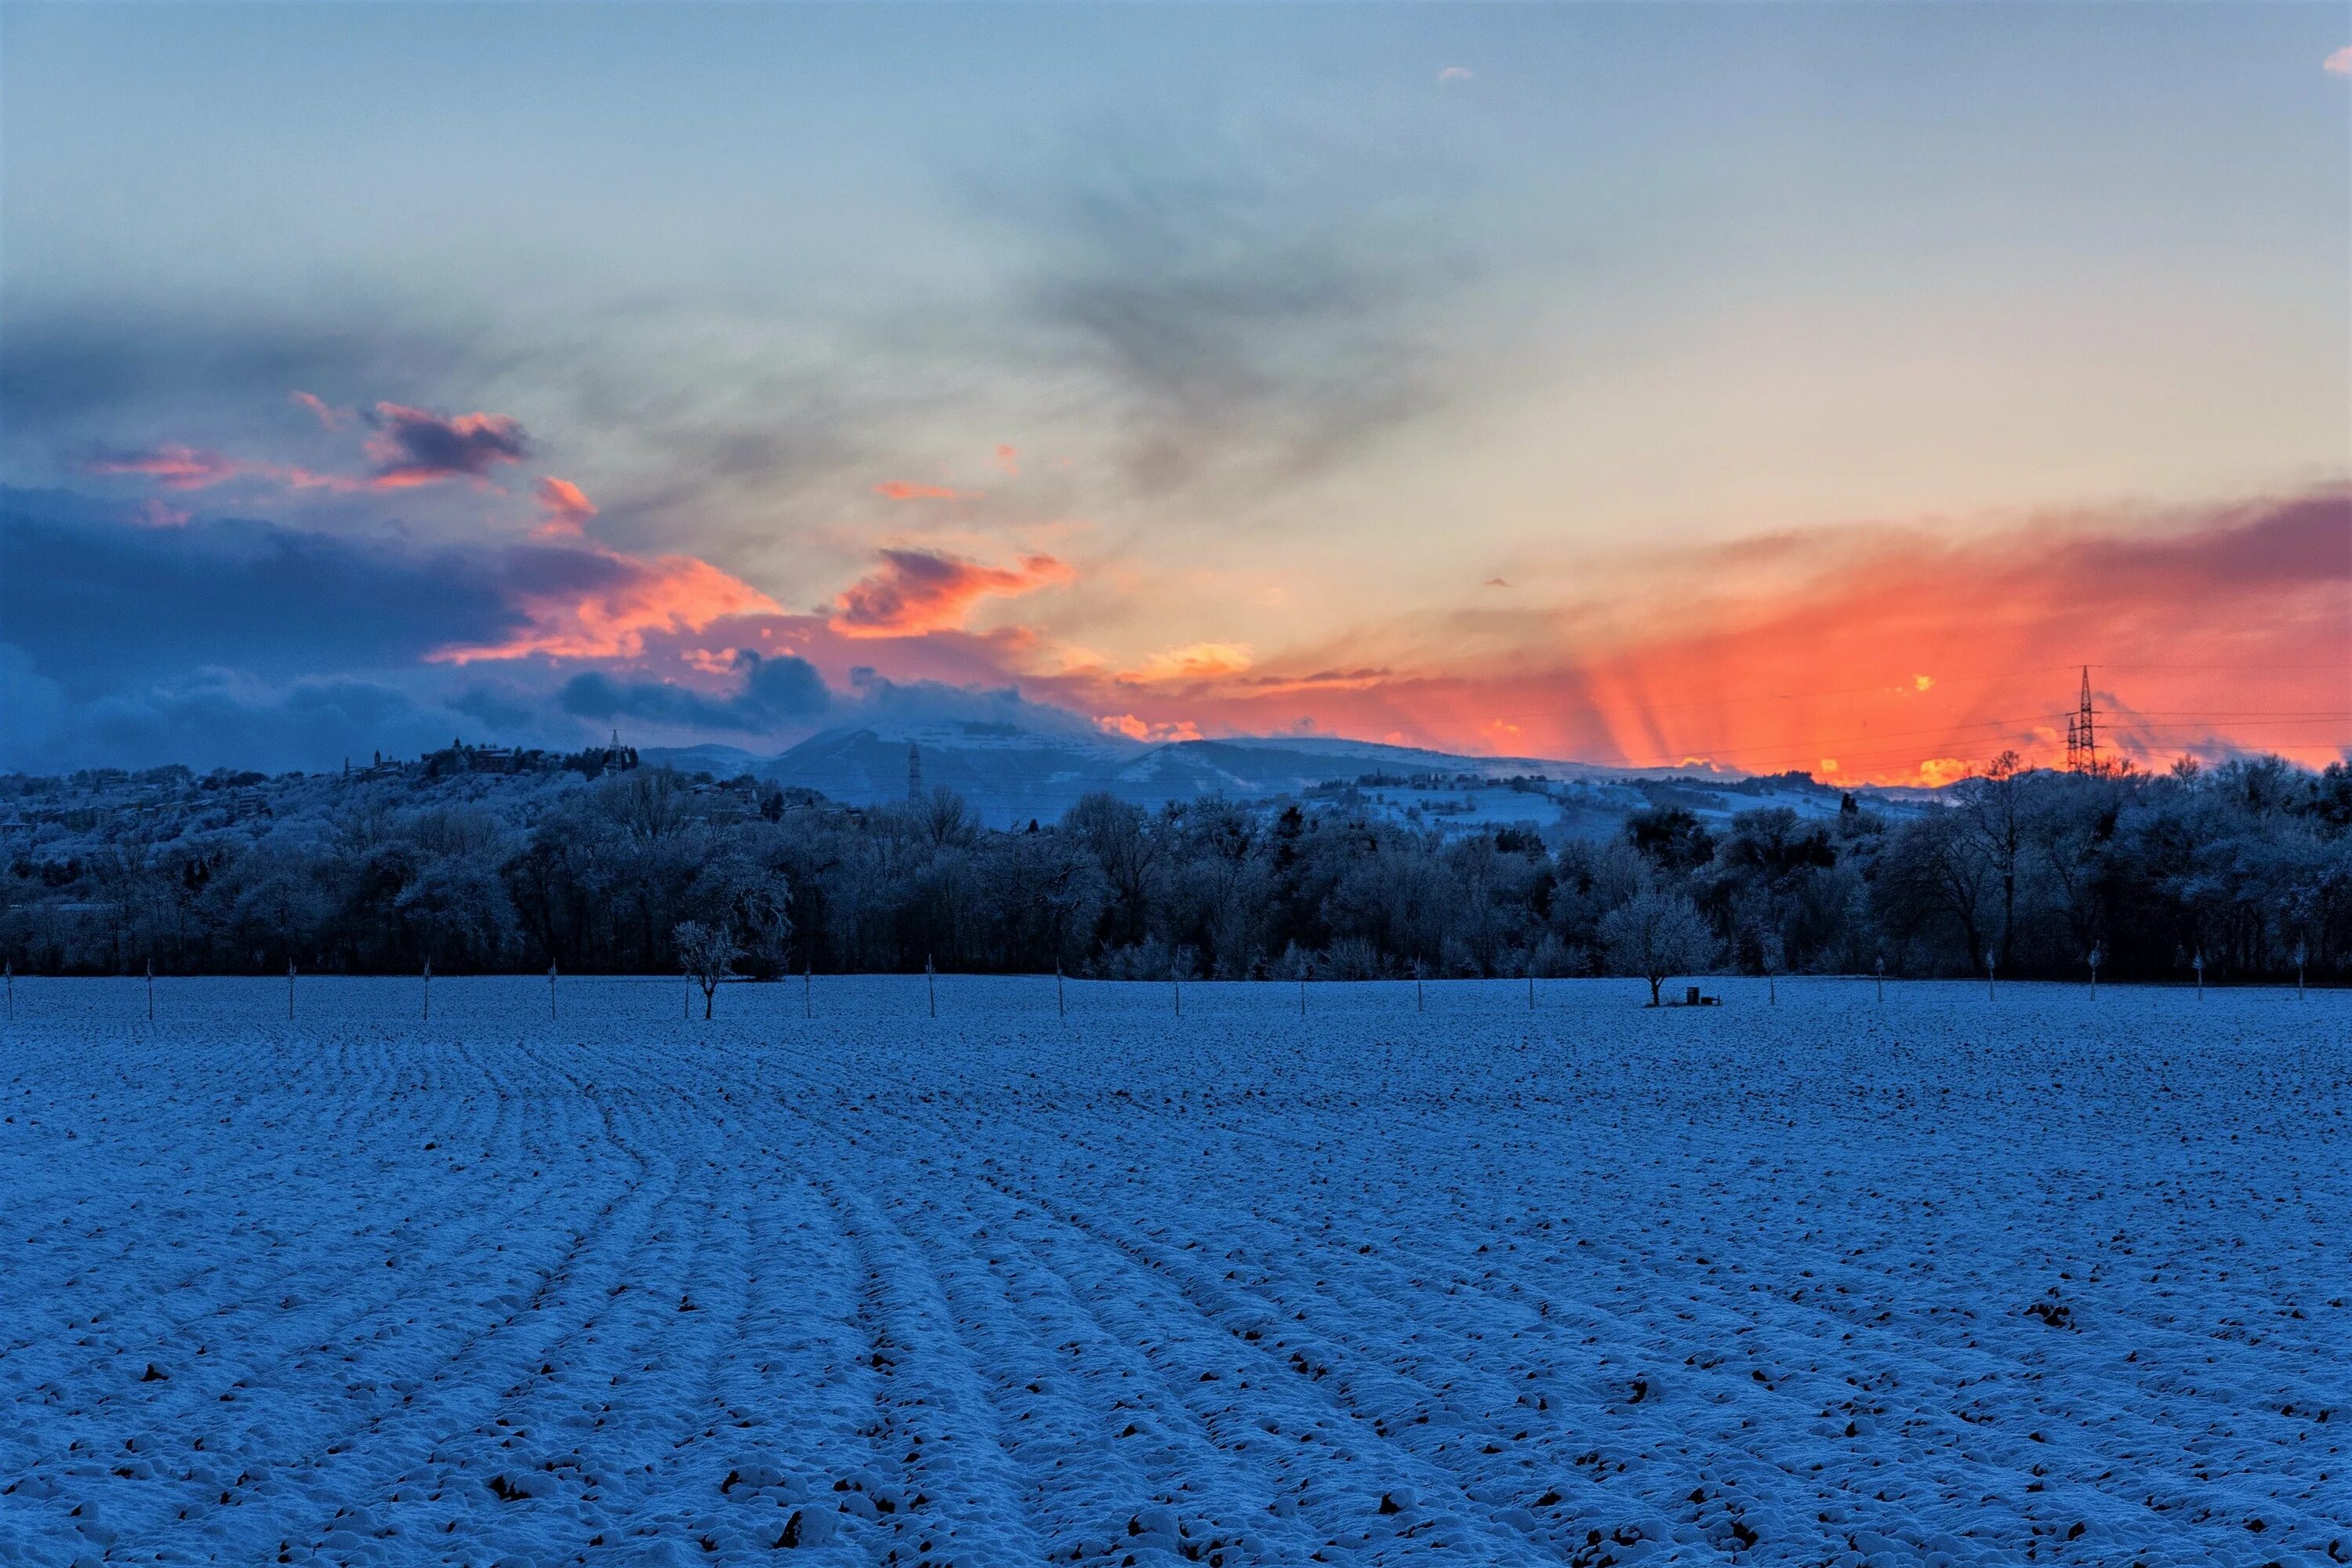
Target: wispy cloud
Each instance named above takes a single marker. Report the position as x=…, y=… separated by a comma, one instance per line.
x=916, y=591
x=172, y=466
x=410, y=447
x=1248, y=311
x=1193, y=661
x=176, y=467
x=329, y=416
x=910, y=490
x=562, y=508
x=2340, y=62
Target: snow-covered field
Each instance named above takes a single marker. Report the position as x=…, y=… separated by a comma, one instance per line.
x=1943, y=1280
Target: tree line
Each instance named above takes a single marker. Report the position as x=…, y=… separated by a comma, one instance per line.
x=2245, y=867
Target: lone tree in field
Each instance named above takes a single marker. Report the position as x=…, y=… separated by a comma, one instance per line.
x=707, y=953
x=1655, y=935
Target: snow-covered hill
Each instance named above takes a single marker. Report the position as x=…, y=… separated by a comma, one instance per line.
x=1010, y=773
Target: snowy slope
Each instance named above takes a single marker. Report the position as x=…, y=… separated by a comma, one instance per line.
x=1010, y=773
x=1945, y=1280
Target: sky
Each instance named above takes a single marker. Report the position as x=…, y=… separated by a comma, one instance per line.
x=1812, y=386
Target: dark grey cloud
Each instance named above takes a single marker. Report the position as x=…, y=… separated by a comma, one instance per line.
x=416, y=445
x=99, y=605
x=210, y=718
x=776, y=691
x=228, y=641
x=506, y=712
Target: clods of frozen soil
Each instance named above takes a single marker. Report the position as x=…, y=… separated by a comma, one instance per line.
x=1948, y=1280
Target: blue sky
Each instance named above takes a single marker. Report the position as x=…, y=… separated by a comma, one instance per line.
x=1296, y=340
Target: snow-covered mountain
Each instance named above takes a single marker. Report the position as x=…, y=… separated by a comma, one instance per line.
x=1010, y=773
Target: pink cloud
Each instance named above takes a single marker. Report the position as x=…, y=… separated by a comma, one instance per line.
x=327, y=413
x=1008, y=458
x=172, y=466
x=181, y=467
x=908, y=490
x=2339, y=63
x=915, y=592
x=417, y=446
x=562, y=508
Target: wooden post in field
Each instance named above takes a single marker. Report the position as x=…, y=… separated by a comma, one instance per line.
x=1992, y=967
x=1061, y=1006
x=551, y=991
x=2197, y=964
x=2302, y=955
x=1881, y=980
x=2095, y=956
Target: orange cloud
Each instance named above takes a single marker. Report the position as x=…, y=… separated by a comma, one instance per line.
x=562, y=508
x=2221, y=629
x=916, y=591
x=1193, y=661
x=908, y=490
x=602, y=604
x=1136, y=729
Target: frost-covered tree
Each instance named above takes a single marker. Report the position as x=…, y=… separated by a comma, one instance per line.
x=1657, y=935
x=490, y=862
x=707, y=955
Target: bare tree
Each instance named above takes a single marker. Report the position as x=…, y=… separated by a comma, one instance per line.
x=1655, y=935
x=706, y=954
x=1993, y=830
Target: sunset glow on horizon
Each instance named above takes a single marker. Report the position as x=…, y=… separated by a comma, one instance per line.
x=1792, y=388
